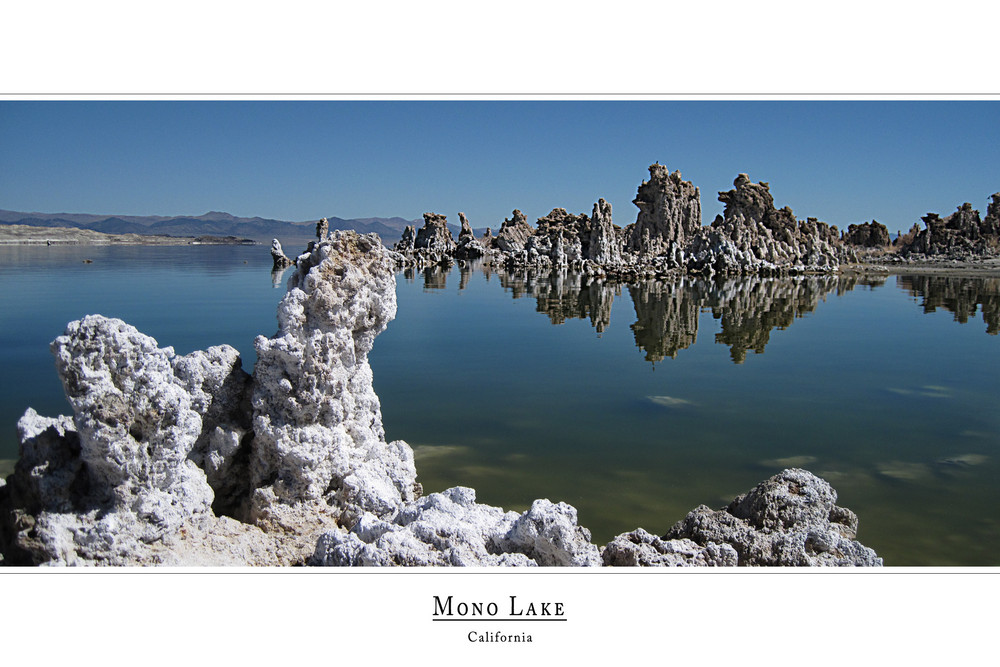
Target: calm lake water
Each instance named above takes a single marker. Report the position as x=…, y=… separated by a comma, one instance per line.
x=633, y=403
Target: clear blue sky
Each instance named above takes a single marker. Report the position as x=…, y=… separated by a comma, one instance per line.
x=840, y=161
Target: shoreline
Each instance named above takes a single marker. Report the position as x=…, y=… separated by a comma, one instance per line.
x=18, y=235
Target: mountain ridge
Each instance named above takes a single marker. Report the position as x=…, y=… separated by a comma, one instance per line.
x=215, y=223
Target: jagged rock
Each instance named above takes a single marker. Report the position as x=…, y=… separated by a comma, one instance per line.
x=640, y=548
x=128, y=478
x=962, y=234
x=466, y=231
x=115, y=485
x=435, y=234
x=408, y=239
x=603, y=246
x=789, y=519
x=450, y=528
x=469, y=247
x=752, y=236
x=559, y=237
x=322, y=229
x=669, y=212
x=514, y=233
x=135, y=420
x=278, y=255
x=220, y=394
x=447, y=528
x=867, y=235
x=316, y=418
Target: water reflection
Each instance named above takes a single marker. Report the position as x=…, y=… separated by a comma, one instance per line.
x=960, y=296
x=666, y=316
x=667, y=312
x=748, y=308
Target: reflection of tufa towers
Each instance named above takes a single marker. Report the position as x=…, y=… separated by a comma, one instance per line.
x=960, y=296
x=666, y=316
x=747, y=308
x=561, y=295
x=750, y=308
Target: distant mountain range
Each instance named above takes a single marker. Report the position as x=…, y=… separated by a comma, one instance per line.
x=215, y=223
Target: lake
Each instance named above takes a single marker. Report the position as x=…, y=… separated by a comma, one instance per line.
x=634, y=403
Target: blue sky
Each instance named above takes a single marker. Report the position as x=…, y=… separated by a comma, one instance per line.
x=840, y=161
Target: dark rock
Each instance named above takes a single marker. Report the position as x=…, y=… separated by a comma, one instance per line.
x=961, y=235
x=408, y=239
x=466, y=227
x=867, y=235
x=669, y=213
x=434, y=235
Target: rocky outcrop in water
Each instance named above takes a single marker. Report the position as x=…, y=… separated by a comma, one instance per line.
x=867, y=235
x=434, y=235
x=187, y=459
x=667, y=238
x=278, y=255
x=469, y=247
x=408, y=240
x=669, y=213
x=752, y=236
x=514, y=233
x=604, y=243
x=962, y=235
x=789, y=519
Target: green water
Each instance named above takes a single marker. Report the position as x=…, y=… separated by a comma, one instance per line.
x=633, y=403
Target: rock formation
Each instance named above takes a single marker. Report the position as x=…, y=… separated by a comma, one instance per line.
x=962, y=235
x=752, y=236
x=466, y=227
x=278, y=255
x=789, y=519
x=604, y=242
x=514, y=233
x=186, y=459
x=434, y=235
x=469, y=247
x=322, y=229
x=408, y=240
x=867, y=235
x=318, y=437
x=669, y=213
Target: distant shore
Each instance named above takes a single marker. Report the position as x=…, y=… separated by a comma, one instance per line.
x=986, y=267
x=29, y=235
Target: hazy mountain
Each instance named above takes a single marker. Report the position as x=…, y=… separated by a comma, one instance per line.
x=217, y=223
x=213, y=223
